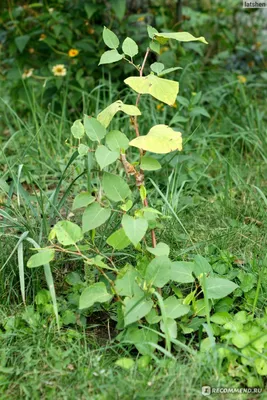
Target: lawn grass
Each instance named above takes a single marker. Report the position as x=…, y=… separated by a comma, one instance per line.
x=213, y=197
x=41, y=364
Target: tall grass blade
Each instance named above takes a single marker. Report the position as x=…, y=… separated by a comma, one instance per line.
x=21, y=271
x=50, y=283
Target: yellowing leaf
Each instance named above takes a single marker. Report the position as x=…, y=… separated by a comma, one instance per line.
x=105, y=117
x=161, y=139
x=163, y=90
x=180, y=36
x=77, y=129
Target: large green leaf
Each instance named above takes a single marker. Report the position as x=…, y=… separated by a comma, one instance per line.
x=161, y=249
x=136, y=308
x=181, y=272
x=169, y=325
x=117, y=141
x=44, y=256
x=115, y=187
x=110, y=57
x=143, y=339
x=118, y=240
x=129, y=47
x=67, y=232
x=216, y=288
x=163, y=90
x=94, y=216
x=135, y=228
x=161, y=139
x=82, y=199
x=96, y=293
x=158, y=271
x=125, y=283
x=105, y=117
x=174, y=307
x=77, y=129
x=201, y=266
x=94, y=129
x=110, y=39
x=180, y=36
x=105, y=157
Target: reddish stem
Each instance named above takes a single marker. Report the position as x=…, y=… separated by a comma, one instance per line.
x=137, y=133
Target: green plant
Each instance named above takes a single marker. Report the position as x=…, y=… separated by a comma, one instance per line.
x=245, y=339
x=146, y=299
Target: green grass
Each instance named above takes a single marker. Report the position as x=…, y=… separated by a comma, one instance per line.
x=213, y=196
x=41, y=364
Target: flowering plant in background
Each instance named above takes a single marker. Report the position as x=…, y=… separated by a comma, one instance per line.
x=69, y=34
x=27, y=73
x=42, y=36
x=59, y=70
x=241, y=78
x=73, y=52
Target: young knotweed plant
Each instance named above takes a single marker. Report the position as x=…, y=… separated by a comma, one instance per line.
x=136, y=290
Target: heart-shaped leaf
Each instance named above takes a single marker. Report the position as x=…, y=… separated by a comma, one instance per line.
x=105, y=157
x=161, y=139
x=67, y=232
x=105, y=117
x=94, y=216
x=44, y=256
x=96, y=293
x=94, y=129
x=135, y=228
x=115, y=188
x=163, y=90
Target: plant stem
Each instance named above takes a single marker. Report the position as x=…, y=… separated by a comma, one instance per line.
x=137, y=133
x=102, y=272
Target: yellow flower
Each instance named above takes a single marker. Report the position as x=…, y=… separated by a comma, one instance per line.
x=59, y=70
x=73, y=52
x=258, y=45
x=160, y=107
x=27, y=73
x=140, y=19
x=241, y=78
x=42, y=36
